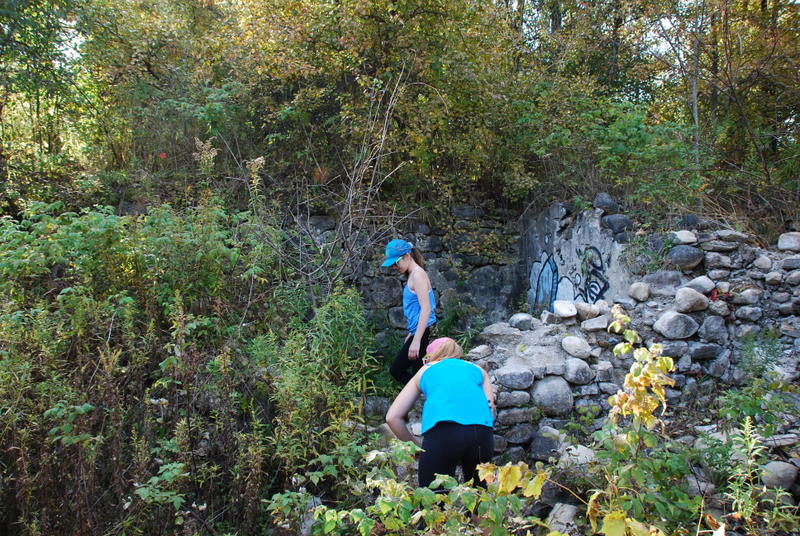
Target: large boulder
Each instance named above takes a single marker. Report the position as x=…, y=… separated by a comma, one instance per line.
x=685, y=257
x=617, y=223
x=500, y=333
x=578, y=371
x=688, y=300
x=714, y=329
x=675, y=325
x=553, y=395
x=564, y=309
x=779, y=474
x=576, y=346
x=789, y=242
x=605, y=202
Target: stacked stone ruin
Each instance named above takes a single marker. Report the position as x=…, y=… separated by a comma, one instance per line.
x=725, y=290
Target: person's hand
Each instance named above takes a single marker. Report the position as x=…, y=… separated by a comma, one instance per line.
x=413, y=350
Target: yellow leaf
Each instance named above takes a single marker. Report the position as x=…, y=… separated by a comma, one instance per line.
x=614, y=524
x=636, y=528
x=593, y=509
x=486, y=472
x=509, y=478
x=534, y=488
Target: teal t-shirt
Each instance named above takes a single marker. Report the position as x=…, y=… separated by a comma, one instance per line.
x=453, y=391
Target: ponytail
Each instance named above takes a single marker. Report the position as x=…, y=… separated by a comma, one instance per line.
x=417, y=256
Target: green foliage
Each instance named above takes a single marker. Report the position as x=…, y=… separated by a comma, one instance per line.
x=384, y=501
x=136, y=364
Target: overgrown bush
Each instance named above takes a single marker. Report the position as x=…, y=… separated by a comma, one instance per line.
x=157, y=372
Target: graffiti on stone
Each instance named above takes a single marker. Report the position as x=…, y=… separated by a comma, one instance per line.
x=584, y=281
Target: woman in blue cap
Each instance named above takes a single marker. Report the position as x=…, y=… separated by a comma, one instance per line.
x=419, y=307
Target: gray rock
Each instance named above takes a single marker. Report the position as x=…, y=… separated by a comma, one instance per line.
x=514, y=454
x=564, y=309
x=791, y=263
x=585, y=390
x=548, y=318
x=608, y=388
x=521, y=321
x=789, y=241
x=763, y=263
x=773, y=278
x=553, y=395
x=639, y=291
x=749, y=313
x=719, y=274
x=730, y=235
x=605, y=202
x=576, y=455
x=781, y=297
x=430, y=244
x=599, y=323
x=499, y=333
x=719, y=245
x=546, y=444
x=604, y=371
x=625, y=302
x=718, y=261
x=703, y=351
x=617, y=223
x=576, y=346
x=702, y=284
x=674, y=348
x=779, y=474
x=718, y=307
x=748, y=296
x=578, y=372
x=521, y=433
x=562, y=519
x=586, y=310
x=793, y=278
x=544, y=361
x=685, y=257
x=685, y=238
x=675, y=325
x=714, y=330
x=385, y=291
x=507, y=399
x=688, y=300
x=514, y=416
x=500, y=443
x=747, y=330
x=514, y=376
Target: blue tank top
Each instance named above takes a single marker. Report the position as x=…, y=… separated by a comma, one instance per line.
x=411, y=308
x=453, y=391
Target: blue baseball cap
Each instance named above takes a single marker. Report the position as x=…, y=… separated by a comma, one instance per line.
x=396, y=249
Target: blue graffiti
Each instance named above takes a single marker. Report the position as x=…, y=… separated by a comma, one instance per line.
x=588, y=285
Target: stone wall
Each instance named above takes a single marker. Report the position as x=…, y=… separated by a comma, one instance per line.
x=473, y=262
x=723, y=291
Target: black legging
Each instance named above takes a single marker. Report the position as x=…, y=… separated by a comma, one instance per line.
x=449, y=444
x=403, y=368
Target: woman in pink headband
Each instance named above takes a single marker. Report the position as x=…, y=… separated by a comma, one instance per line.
x=457, y=417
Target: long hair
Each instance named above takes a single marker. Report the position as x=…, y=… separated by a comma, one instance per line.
x=417, y=256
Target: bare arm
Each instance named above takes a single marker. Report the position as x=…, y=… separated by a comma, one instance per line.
x=396, y=415
x=488, y=390
x=421, y=285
